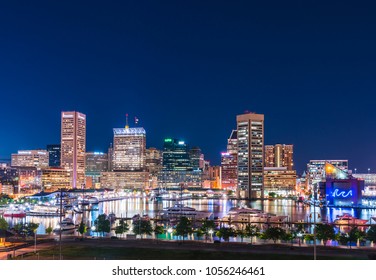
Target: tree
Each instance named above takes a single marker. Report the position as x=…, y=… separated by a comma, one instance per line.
x=325, y=232
x=122, y=227
x=371, y=233
x=225, y=233
x=32, y=227
x=242, y=233
x=342, y=238
x=142, y=226
x=183, y=227
x=3, y=224
x=158, y=229
x=356, y=234
x=49, y=230
x=208, y=227
x=251, y=231
x=199, y=232
x=309, y=237
x=274, y=233
x=82, y=228
x=102, y=224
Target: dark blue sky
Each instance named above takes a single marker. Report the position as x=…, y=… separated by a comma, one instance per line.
x=187, y=68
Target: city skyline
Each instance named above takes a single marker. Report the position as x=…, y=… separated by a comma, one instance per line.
x=186, y=70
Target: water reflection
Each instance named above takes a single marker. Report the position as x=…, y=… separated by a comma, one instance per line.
x=129, y=207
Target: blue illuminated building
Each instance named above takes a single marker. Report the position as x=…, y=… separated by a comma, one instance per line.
x=342, y=189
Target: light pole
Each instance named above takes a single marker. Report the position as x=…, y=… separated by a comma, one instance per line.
x=60, y=220
x=169, y=230
x=93, y=228
x=35, y=241
x=211, y=234
x=314, y=220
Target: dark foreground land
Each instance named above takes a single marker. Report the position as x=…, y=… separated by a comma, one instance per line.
x=100, y=249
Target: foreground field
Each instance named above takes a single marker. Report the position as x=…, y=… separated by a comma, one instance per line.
x=107, y=249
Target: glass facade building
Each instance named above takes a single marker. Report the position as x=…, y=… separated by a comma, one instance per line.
x=177, y=165
x=229, y=163
x=54, y=153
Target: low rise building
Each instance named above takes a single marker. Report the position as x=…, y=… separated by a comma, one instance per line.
x=132, y=180
x=279, y=180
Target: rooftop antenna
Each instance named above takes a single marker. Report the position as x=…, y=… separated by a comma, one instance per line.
x=126, y=121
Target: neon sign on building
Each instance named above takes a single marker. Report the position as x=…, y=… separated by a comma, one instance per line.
x=343, y=194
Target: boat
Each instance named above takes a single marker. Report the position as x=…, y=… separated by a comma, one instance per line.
x=67, y=226
x=77, y=210
x=179, y=210
x=250, y=215
x=138, y=217
x=348, y=220
x=14, y=213
x=44, y=210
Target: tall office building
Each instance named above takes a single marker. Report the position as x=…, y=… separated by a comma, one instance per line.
x=177, y=165
x=175, y=155
x=129, y=149
x=54, y=153
x=128, y=160
x=195, y=157
x=73, y=146
x=279, y=156
x=250, y=130
x=229, y=163
x=30, y=158
x=96, y=162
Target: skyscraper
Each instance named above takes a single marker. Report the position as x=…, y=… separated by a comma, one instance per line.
x=54, y=152
x=195, y=156
x=176, y=156
x=229, y=163
x=279, y=155
x=250, y=129
x=129, y=149
x=73, y=146
x=128, y=160
x=177, y=165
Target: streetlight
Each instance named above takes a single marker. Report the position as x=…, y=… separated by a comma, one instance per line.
x=169, y=230
x=35, y=241
x=93, y=228
x=369, y=169
x=211, y=234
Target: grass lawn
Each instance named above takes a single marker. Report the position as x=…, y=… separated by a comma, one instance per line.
x=91, y=252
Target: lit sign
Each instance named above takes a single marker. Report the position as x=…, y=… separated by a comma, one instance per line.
x=168, y=140
x=343, y=194
x=181, y=142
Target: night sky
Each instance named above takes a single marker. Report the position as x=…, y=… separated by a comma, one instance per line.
x=187, y=68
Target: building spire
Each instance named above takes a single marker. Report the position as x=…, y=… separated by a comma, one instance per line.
x=126, y=121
